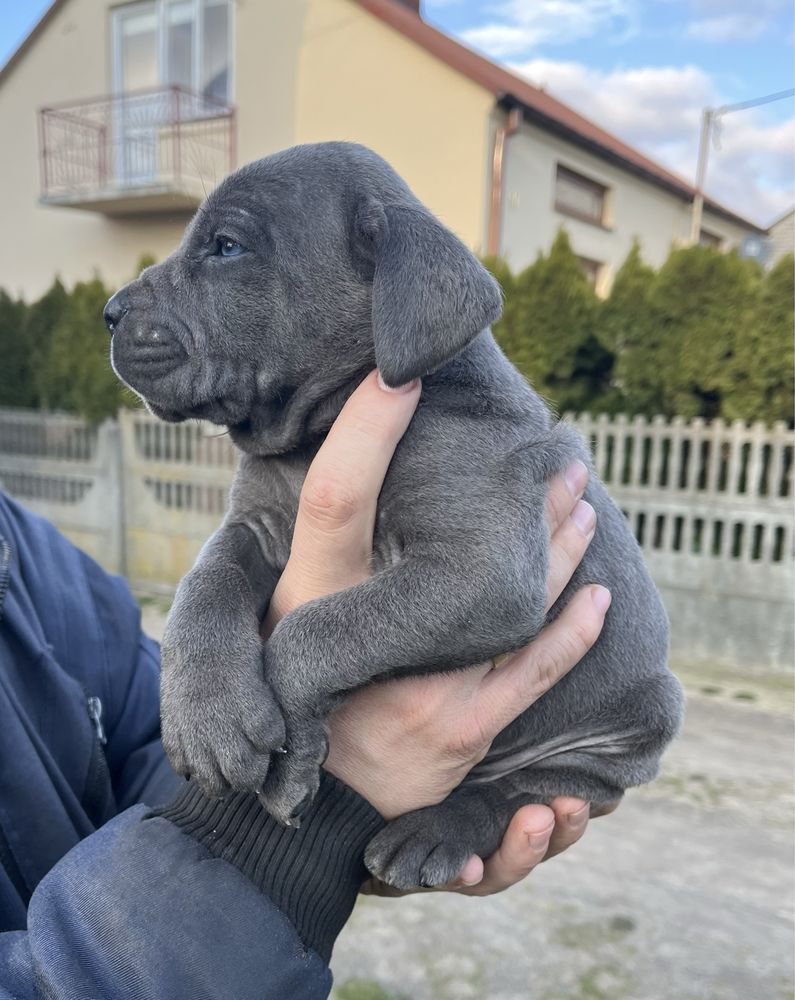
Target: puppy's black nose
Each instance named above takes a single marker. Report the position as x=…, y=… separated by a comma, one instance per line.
x=115, y=309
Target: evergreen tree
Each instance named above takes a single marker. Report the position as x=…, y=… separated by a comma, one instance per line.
x=78, y=375
x=554, y=321
x=703, y=304
x=16, y=384
x=626, y=328
x=42, y=317
x=759, y=383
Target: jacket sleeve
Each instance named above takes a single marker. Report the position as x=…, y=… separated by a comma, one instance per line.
x=149, y=906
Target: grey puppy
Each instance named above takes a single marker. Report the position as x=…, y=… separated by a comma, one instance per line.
x=298, y=275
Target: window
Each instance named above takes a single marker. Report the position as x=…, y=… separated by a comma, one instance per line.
x=579, y=197
x=592, y=269
x=173, y=42
x=708, y=239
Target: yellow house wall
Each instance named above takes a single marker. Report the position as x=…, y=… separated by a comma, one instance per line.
x=69, y=61
x=360, y=80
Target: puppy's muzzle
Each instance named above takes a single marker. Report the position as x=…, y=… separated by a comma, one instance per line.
x=140, y=346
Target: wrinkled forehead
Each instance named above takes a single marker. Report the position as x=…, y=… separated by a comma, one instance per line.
x=279, y=196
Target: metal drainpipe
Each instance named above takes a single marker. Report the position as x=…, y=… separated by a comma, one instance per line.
x=511, y=125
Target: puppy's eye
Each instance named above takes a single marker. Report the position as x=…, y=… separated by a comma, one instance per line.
x=228, y=248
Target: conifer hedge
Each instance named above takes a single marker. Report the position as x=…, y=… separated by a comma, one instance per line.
x=707, y=335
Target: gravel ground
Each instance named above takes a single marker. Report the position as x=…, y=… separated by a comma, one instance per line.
x=686, y=893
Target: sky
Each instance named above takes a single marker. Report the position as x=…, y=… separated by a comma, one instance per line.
x=643, y=69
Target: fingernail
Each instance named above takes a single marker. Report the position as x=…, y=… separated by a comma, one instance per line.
x=580, y=815
x=398, y=388
x=576, y=477
x=584, y=516
x=601, y=598
x=540, y=839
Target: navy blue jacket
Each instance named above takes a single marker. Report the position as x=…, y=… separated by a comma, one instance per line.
x=100, y=895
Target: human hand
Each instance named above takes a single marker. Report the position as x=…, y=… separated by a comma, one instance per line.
x=407, y=744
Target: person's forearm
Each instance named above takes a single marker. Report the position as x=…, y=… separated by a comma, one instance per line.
x=312, y=874
x=147, y=906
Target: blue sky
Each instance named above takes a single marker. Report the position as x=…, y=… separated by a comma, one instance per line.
x=641, y=68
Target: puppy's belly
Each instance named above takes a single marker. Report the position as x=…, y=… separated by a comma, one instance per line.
x=558, y=751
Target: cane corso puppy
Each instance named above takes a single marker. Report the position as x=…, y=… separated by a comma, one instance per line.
x=299, y=274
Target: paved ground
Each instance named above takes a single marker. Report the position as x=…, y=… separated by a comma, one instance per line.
x=686, y=893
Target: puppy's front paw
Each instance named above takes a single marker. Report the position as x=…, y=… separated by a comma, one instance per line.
x=220, y=719
x=418, y=850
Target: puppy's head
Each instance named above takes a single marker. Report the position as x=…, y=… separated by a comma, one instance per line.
x=299, y=272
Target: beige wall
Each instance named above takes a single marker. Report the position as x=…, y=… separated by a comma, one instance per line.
x=363, y=81
x=267, y=42
x=69, y=61
x=635, y=208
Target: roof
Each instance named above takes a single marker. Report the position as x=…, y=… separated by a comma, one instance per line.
x=537, y=105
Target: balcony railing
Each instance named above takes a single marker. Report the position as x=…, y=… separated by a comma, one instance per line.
x=143, y=151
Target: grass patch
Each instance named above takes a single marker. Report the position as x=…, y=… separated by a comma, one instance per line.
x=362, y=989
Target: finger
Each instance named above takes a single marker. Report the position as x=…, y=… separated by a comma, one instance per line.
x=564, y=492
x=527, y=675
x=336, y=512
x=571, y=821
x=524, y=846
x=567, y=547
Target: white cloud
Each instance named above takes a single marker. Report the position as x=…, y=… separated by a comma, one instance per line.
x=521, y=25
x=728, y=28
x=658, y=110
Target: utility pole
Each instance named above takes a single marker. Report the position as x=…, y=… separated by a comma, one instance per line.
x=707, y=116
x=710, y=119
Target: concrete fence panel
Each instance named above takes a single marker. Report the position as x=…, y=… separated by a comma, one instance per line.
x=711, y=505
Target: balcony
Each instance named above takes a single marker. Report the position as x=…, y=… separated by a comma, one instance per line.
x=144, y=152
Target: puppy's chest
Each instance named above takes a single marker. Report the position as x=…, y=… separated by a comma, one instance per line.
x=266, y=496
x=388, y=543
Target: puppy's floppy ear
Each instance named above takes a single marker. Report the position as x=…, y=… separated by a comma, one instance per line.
x=431, y=296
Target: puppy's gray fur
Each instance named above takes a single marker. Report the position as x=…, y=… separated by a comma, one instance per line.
x=343, y=269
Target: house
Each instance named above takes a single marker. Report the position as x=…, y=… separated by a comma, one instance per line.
x=781, y=237
x=190, y=88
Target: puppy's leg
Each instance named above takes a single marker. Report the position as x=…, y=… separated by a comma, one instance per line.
x=596, y=760
x=430, y=846
x=220, y=720
x=416, y=617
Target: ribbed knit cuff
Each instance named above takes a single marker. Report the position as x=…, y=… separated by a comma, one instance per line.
x=312, y=874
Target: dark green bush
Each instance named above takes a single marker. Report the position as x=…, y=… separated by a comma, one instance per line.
x=707, y=335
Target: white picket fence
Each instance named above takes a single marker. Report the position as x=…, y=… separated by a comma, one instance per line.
x=711, y=505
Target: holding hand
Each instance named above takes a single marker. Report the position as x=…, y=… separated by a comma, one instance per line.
x=407, y=744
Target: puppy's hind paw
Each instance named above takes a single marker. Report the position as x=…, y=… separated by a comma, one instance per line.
x=411, y=853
